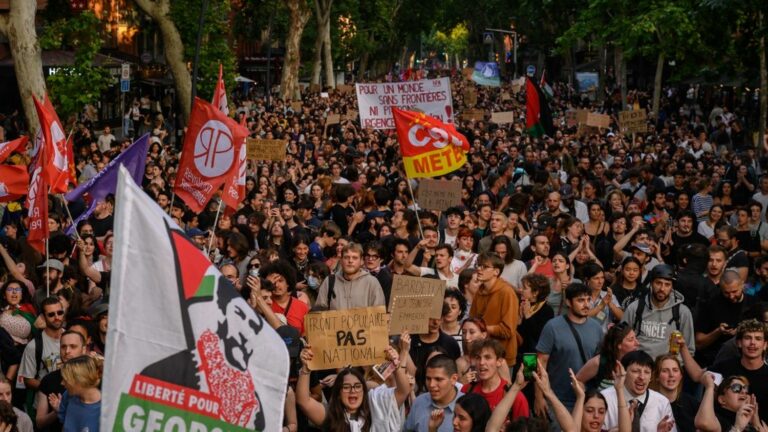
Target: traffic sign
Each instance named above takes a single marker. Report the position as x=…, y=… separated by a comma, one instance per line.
x=125, y=86
x=125, y=71
x=530, y=70
x=488, y=38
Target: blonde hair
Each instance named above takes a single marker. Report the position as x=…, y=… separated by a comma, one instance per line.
x=85, y=371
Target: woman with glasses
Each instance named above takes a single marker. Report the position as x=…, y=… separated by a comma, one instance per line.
x=18, y=313
x=352, y=406
x=728, y=406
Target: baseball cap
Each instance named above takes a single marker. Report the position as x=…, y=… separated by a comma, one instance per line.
x=196, y=232
x=642, y=247
x=54, y=264
x=98, y=310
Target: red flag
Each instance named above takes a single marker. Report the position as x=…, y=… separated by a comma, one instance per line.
x=234, y=188
x=55, y=164
x=211, y=150
x=71, y=161
x=37, y=209
x=9, y=147
x=14, y=180
x=220, y=94
x=430, y=147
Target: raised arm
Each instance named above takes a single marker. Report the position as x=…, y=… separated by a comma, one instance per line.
x=499, y=415
x=705, y=419
x=314, y=410
x=563, y=417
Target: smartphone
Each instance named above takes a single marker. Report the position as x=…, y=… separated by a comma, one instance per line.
x=384, y=370
x=530, y=361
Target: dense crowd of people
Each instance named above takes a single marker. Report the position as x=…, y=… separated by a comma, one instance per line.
x=630, y=268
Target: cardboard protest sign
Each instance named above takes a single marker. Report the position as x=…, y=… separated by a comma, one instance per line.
x=467, y=72
x=470, y=97
x=473, y=114
x=186, y=350
x=437, y=194
x=266, y=149
x=504, y=117
x=506, y=96
x=598, y=120
x=296, y=106
x=351, y=115
x=414, y=300
x=345, y=89
x=333, y=119
x=633, y=121
x=376, y=100
x=356, y=337
x=315, y=88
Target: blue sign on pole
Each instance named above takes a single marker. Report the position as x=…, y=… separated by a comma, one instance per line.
x=125, y=86
x=530, y=70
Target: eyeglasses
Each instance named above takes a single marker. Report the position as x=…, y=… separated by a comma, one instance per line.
x=13, y=289
x=254, y=265
x=349, y=388
x=372, y=256
x=53, y=314
x=738, y=388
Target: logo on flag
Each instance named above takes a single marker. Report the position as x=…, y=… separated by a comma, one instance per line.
x=188, y=352
x=9, y=147
x=14, y=180
x=211, y=148
x=37, y=209
x=430, y=147
x=55, y=163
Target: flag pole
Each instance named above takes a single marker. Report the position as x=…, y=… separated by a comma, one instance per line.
x=173, y=197
x=416, y=205
x=47, y=269
x=215, y=222
x=71, y=219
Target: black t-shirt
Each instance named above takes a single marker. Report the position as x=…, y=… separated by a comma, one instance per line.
x=101, y=226
x=530, y=329
x=340, y=215
x=758, y=381
x=715, y=311
x=737, y=259
x=680, y=242
x=52, y=384
x=420, y=350
x=748, y=240
x=684, y=410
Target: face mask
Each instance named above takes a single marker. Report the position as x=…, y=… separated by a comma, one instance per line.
x=313, y=282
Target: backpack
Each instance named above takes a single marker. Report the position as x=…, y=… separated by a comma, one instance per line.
x=38, y=351
x=331, y=283
x=639, y=316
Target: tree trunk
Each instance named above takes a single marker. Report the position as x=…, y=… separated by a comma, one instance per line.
x=317, y=58
x=160, y=11
x=330, y=78
x=299, y=16
x=602, y=61
x=657, y=85
x=18, y=25
x=323, y=22
x=763, y=87
x=621, y=74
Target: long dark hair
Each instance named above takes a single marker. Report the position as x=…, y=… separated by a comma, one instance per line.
x=26, y=298
x=336, y=420
x=477, y=408
x=609, y=350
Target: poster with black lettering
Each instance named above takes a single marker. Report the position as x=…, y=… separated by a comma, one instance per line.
x=413, y=302
x=376, y=100
x=186, y=352
x=350, y=337
x=438, y=195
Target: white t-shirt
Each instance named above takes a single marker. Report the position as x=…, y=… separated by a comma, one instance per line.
x=50, y=358
x=460, y=258
x=513, y=273
x=453, y=282
x=385, y=413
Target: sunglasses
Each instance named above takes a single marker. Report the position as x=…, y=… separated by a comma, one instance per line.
x=738, y=388
x=53, y=314
x=254, y=265
x=13, y=289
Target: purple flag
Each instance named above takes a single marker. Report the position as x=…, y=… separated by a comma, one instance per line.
x=134, y=158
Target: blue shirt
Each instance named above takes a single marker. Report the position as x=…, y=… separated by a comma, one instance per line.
x=77, y=416
x=418, y=419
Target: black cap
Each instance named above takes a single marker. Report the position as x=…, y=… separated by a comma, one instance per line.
x=663, y=271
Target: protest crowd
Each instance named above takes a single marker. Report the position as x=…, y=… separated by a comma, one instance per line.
x=593, y=279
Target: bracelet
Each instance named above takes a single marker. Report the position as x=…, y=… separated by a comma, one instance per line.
x=303, y=371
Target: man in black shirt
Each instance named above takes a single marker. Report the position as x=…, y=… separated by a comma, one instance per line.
x=751, y=336
x=737, y=258
x=718, y=317
x=72, y=345
x=684, y=235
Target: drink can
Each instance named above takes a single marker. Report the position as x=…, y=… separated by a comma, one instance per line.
x=673, y=347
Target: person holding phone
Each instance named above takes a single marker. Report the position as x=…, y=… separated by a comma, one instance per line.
x=487, y=356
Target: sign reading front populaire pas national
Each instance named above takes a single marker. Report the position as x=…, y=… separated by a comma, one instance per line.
x=186, y=352
x=376, y=100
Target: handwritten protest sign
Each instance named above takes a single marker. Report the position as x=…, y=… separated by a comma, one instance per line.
x=633, y=121
x=375, y=101
x=598, y=120
x=266, y=149
x=504, y=117
x=356, y=337
x=470, y=97
x=473, y=114
x=333, y=119
x=413, y=302
x=345, y=89
x=439, y=194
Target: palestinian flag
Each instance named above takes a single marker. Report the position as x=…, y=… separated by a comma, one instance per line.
x=538, y=118
x=545, y=87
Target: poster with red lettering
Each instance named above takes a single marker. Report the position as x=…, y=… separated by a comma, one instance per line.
x=430, y=147
x=211, y=149
x=377, y=100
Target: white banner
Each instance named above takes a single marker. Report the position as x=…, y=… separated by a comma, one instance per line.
x=375, y=100
x=185, y=351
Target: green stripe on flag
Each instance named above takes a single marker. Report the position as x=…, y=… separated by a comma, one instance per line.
x=206, y=286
